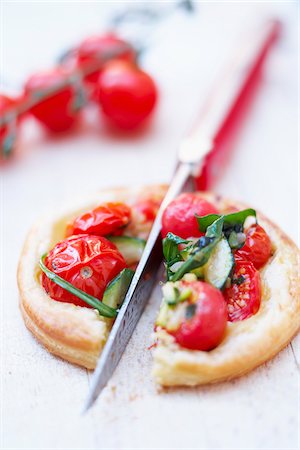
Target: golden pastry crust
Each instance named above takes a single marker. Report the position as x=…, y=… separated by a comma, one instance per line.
x=74, y=333
x=247, y=343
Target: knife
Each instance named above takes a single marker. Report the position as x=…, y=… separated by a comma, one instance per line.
x=194, y=151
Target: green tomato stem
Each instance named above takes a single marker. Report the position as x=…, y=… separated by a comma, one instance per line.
x=37, y=97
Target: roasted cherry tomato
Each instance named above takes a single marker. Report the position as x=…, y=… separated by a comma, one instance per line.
x=107, y=218
x=126, y=94
x=101, y=48
x=205, y=319
x=147, y=208
x=8, y=132
x=179, y=216
x=60, y=111
x=257, y=248
x=88, y=262
x=244, y=295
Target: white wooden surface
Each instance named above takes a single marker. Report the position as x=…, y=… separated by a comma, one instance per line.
x=41, y=395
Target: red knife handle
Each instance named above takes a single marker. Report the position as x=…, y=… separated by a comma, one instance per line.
x=216, y=160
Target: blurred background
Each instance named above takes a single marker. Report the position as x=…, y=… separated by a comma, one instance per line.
x=184, y=49
x=185, y=45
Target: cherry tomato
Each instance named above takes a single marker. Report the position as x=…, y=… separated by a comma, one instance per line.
x=103, y=47
x=60, y=111
x=106, y=219
x=205, y=318
x=244, y=295
x=8, y=132
x=257, y=248
x=179, y=216
x=147, y=208
x=88, y=262
x=126, y=94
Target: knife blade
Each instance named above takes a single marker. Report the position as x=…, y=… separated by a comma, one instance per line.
x=138, y=293
x=192, y=154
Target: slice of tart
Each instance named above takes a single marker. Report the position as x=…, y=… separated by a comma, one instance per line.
x=76, y=266
x=231, y=300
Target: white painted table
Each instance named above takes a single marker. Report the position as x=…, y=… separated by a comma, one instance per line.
x=41, y=395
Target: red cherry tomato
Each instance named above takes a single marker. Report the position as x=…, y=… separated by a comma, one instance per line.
x=88, y=262
x=257, y=248
x=147, y=208
x=206, y=318
x=126, y=94
x=99, y=48
x=179, y=216
x=244, y=295
x=8, y=132
x=60, y=111
x=106, y=219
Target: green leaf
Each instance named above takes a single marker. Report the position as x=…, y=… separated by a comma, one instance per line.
x=197, y=259
x=103, y=309
x=205, y=221
x=199, y=255
x=239, y=216
x=229, y=219
x=215, y=229
x=177, y=239
x=170, y=246
x=171, y=251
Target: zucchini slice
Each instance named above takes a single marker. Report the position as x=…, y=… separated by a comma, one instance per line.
x=131, y=248
x=116, y=290
x=220, y=264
